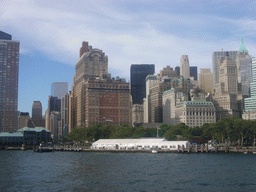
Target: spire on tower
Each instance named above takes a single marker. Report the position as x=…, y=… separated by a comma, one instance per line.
x=242, y=47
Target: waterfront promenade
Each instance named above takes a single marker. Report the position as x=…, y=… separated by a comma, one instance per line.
x=194, y=149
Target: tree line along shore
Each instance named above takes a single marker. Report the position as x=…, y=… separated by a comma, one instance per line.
x=228, y=131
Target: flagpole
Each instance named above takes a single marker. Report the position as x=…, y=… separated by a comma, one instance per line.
x=157, y=132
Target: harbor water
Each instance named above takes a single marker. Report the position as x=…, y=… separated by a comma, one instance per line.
x=94, y=171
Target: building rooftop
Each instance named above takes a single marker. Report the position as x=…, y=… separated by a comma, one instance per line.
x=37, y=129
x=11, y=134
x=195, y=103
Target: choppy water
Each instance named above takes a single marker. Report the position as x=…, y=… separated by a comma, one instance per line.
x=73, y=171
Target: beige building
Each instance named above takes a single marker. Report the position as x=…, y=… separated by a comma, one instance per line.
x=226, y=90
x=98, y=99
x=184, y=66
x=150, y=81
x=137, y=114
x=168, y=72
x=155, y=100
x=23, y=119
x=171, y=98
x=55, y=124
x=177, y=109
x=205, y=80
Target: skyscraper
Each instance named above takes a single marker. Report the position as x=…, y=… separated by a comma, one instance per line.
x=244, y=69
x=37, y=110
x=215, y=62
x=184, y=66
x=225, y=97
x=250, y=103
x=138, y=84
x=96, y=98
x=59, y=89
x=205, y=80
x=193, y=72
x=9, y=75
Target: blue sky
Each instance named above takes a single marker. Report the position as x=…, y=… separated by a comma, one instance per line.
x=129, y=32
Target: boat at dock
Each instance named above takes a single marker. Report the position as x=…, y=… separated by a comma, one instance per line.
x=154, y=151
x=44, y=147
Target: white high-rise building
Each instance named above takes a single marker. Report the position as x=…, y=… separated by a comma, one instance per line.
x=59, y=89
x=184, y=67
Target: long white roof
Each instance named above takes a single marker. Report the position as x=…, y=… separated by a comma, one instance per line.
x=153, y=141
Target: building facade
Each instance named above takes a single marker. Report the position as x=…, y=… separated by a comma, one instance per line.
x=59, y=89
x=184, y=66
x=250, y=103
x=138, y=84
x=205, y=80
x=215, y=62
x=193, y=72
x=23, y=119
x=169, y=72
x=137, y=114
x=9, y=76
x=98, y=98
x=225, y=94
x=244, y=69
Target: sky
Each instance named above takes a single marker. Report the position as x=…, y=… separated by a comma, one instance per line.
x=51, y=33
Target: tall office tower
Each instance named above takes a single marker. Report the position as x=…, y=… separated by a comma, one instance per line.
x=150, y=81
x=9, y=75
x=138, y=84
x=177, y=68
x=37, y=110
x=184, y=66
x=59, y=89
x=64, y=114
x=36, y=120
x=193, y=72
x=215, y=62
x=72, y=107
x=168, y=72
x=250, y=103
x=54, y=104
x=155, y=102
x=98, y=98
x=205, y=79
x=226, y=90
x=55, y=124
x=244, y=69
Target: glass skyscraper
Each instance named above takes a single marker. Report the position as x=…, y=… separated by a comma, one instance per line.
x=138, y=83
x=250, y=103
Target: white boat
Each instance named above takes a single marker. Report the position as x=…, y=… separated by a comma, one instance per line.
x=154, y=151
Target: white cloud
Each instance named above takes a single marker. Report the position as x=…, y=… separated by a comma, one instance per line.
x=127, y=38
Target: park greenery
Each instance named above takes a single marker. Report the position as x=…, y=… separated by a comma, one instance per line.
x=235, y=131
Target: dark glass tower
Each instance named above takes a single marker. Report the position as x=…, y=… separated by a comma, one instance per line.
x=193, y=72
x=138, y=84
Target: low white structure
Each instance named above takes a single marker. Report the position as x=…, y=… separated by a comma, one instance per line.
x=154, y=143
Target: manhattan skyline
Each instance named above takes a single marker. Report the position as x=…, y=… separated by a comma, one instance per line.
x=51, y=33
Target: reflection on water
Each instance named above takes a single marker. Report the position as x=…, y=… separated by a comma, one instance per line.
x=71, y=171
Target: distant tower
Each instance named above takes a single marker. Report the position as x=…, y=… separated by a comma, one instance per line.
x=37, y=110
x=193, y=72
x=215, y=62
x=59, y=89
x=9, y=76
x=244, y=69
x=205, y=80
x=184, y=66
x=138, y=83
